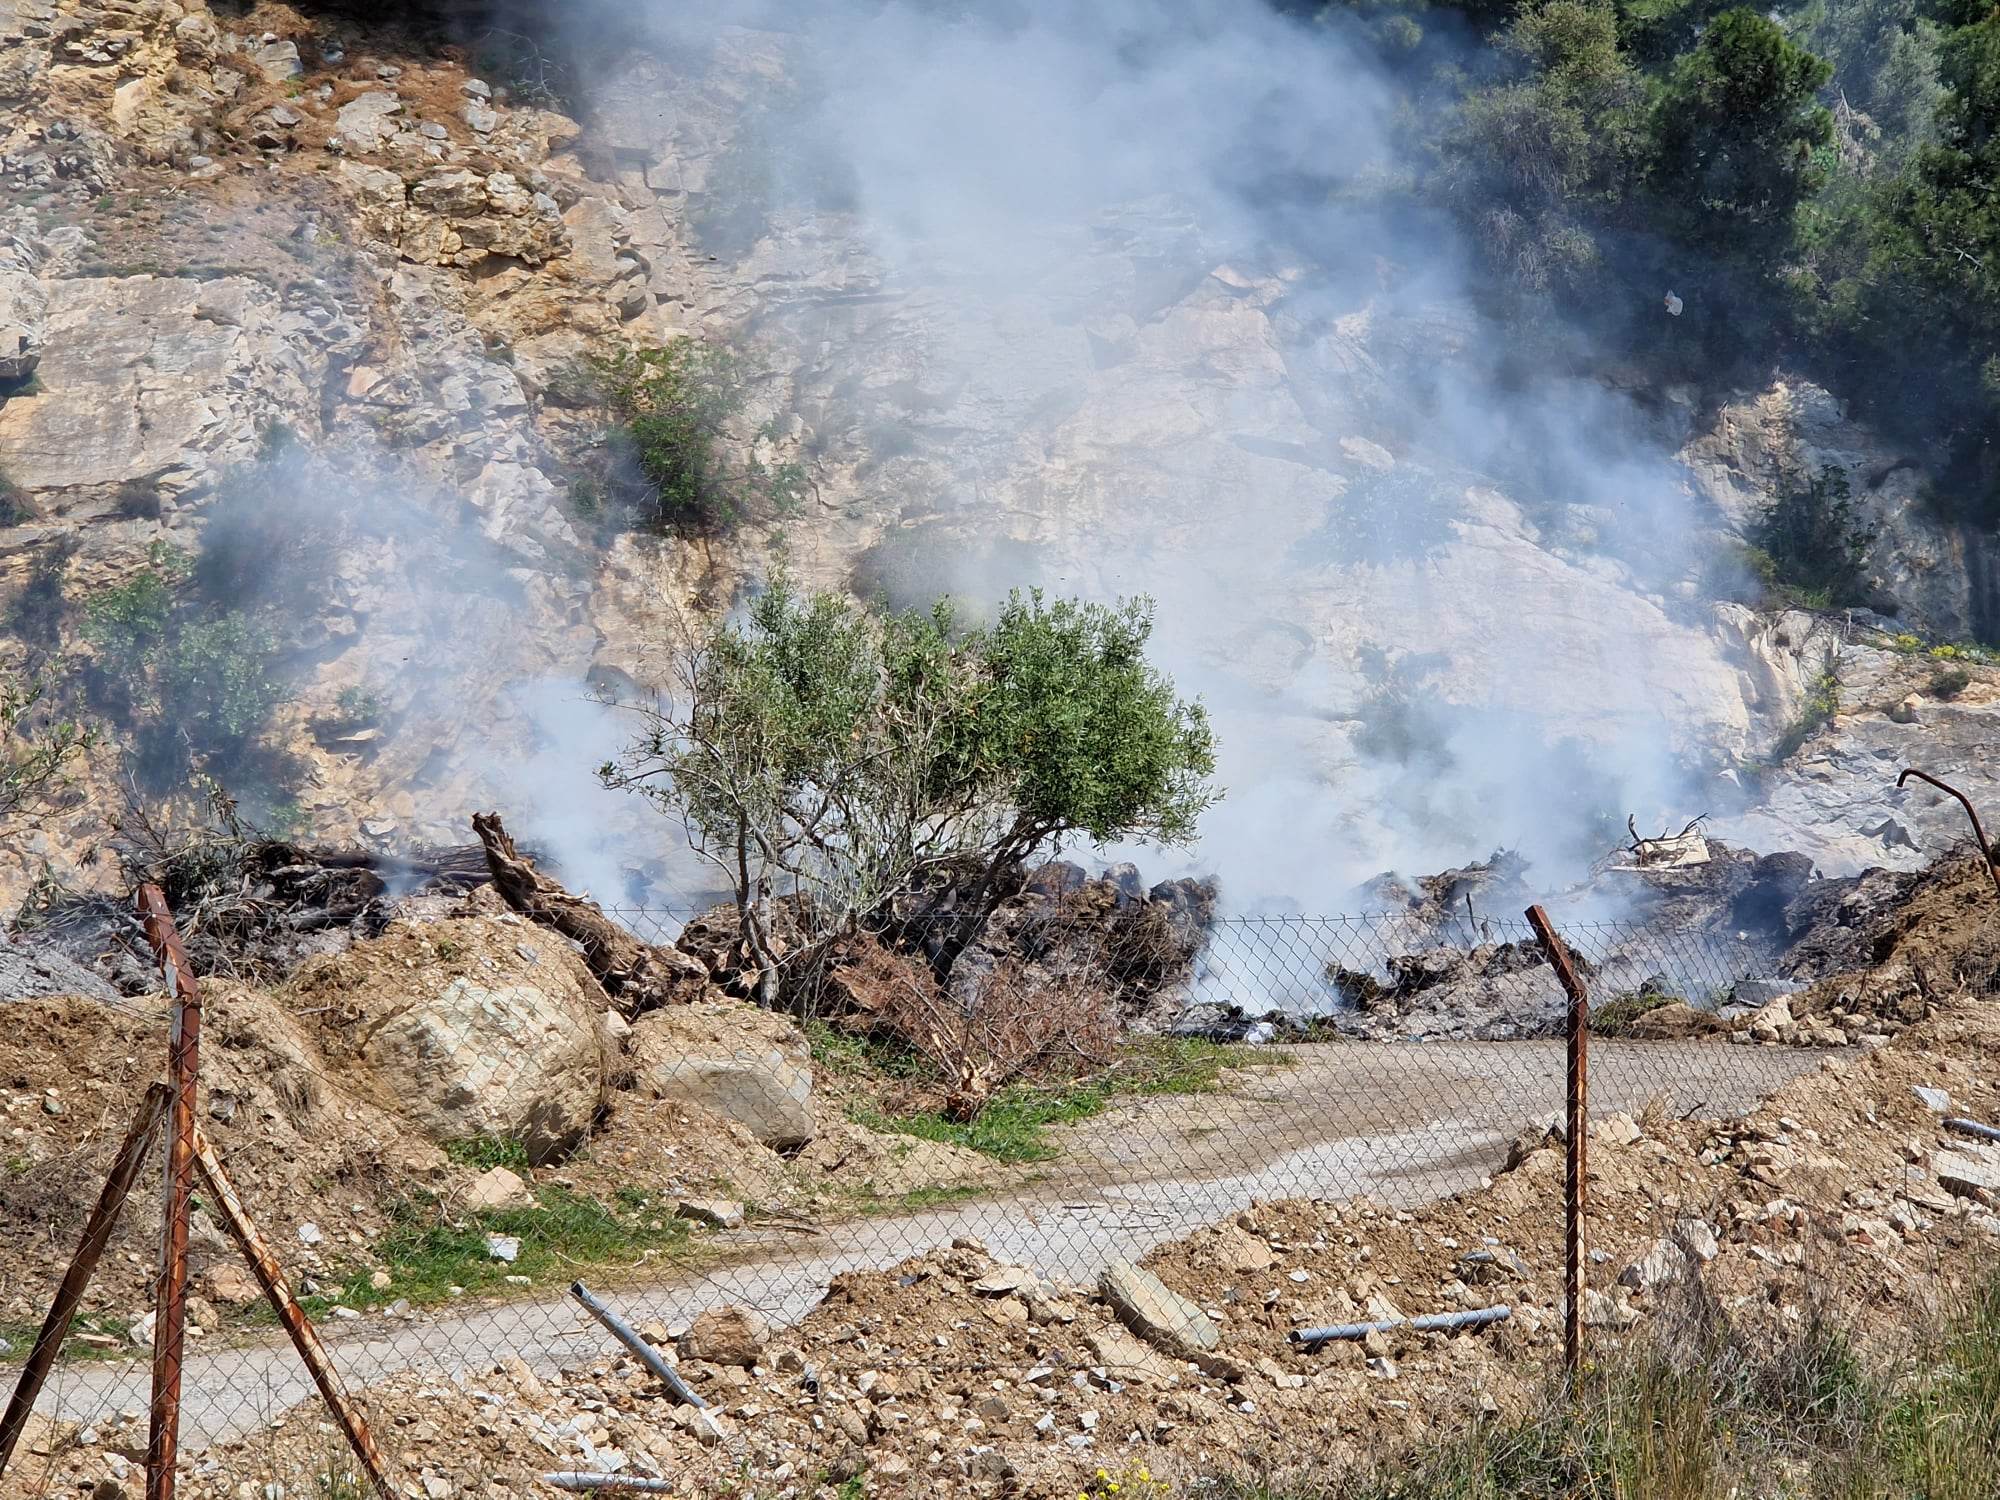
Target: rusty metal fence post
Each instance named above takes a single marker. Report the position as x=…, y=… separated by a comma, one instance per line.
x=1577, y=1163
x=96, y=1235
x=170, y=1302
x=271, y=1278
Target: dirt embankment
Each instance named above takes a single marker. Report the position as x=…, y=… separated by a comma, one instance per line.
x=365, y=1096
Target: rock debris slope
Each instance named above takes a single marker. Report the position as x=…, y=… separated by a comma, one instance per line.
x=227, y=233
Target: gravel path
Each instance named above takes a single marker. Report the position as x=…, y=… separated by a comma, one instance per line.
x=1406, y=1123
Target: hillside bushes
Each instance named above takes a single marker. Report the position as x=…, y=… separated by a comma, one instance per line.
x=679, y=463
x=195, y=683
x=1706, y=189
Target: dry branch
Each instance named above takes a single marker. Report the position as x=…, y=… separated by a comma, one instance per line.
x=637, y=976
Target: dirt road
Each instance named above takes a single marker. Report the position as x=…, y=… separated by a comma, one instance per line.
x=1406, y=1123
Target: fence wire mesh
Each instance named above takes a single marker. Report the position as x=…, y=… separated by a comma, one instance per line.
x=874, y=1238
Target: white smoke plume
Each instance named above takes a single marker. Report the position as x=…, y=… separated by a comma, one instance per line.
x=1432, y=601
x=1389, y=693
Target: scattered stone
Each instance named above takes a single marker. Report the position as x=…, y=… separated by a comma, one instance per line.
x=278, y=60
x=310, y=1235
x=1619, y=1130
x=1967, y=1176
x=1662, y=1264
x=1150, y=1309
x=726, y=1336
x=1126, y=1359
x=503, y=1247
x=1937, y=1101
x=1757, y=993
x=717, y=1213
x=1604, y=1311
x=1771, y=1022
x=1236, y=1249
x=1005, y=1281
x=498, y=1188
x=228, y=1284
x=365, y=122
x=1697, y=1237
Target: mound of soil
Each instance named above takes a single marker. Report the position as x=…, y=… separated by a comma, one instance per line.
x=300, y=1145
x=1893, y=945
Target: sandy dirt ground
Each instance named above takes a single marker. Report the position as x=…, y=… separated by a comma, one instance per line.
x=1404, y=1124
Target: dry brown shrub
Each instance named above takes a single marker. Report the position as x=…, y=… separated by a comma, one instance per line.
x=986, y=1031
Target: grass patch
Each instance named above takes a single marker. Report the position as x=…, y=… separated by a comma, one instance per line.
x=1614, y=1018
x=1947, y=683
x=20, y=1338
x=1821, y=703
x=1014, y=1125
x=482, y=1153
x=922, y=1198
x=1704, y=1411
x=846, y=1054
x=427, y=1254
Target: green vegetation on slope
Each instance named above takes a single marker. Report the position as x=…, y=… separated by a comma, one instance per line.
x=1818, y=182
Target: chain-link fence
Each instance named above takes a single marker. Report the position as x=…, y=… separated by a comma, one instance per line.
x=906, y=1226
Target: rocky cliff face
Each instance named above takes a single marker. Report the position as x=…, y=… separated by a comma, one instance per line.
x=225, y=231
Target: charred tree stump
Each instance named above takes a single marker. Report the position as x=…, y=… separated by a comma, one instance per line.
x=637, y=976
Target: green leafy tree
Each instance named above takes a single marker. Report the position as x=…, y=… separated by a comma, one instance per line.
x=1736, y=134
x=848, y=761
x=1925, y=310
x=1536, y=160
x=1815, y=543
x=1884, y=56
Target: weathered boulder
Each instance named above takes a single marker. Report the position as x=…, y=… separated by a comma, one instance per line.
x=470, y=1028
x=1155, y=1312
x=735, y=1060
x=495, y=1059
x=726, y=1336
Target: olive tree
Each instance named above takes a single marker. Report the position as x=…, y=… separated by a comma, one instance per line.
x=872, y=767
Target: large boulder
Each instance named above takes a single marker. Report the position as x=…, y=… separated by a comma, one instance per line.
x=732, y=1059
x=483, y=1026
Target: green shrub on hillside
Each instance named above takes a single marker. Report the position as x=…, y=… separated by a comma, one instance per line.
x=676, y=408
x=1815, y=546
x=193, y=683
